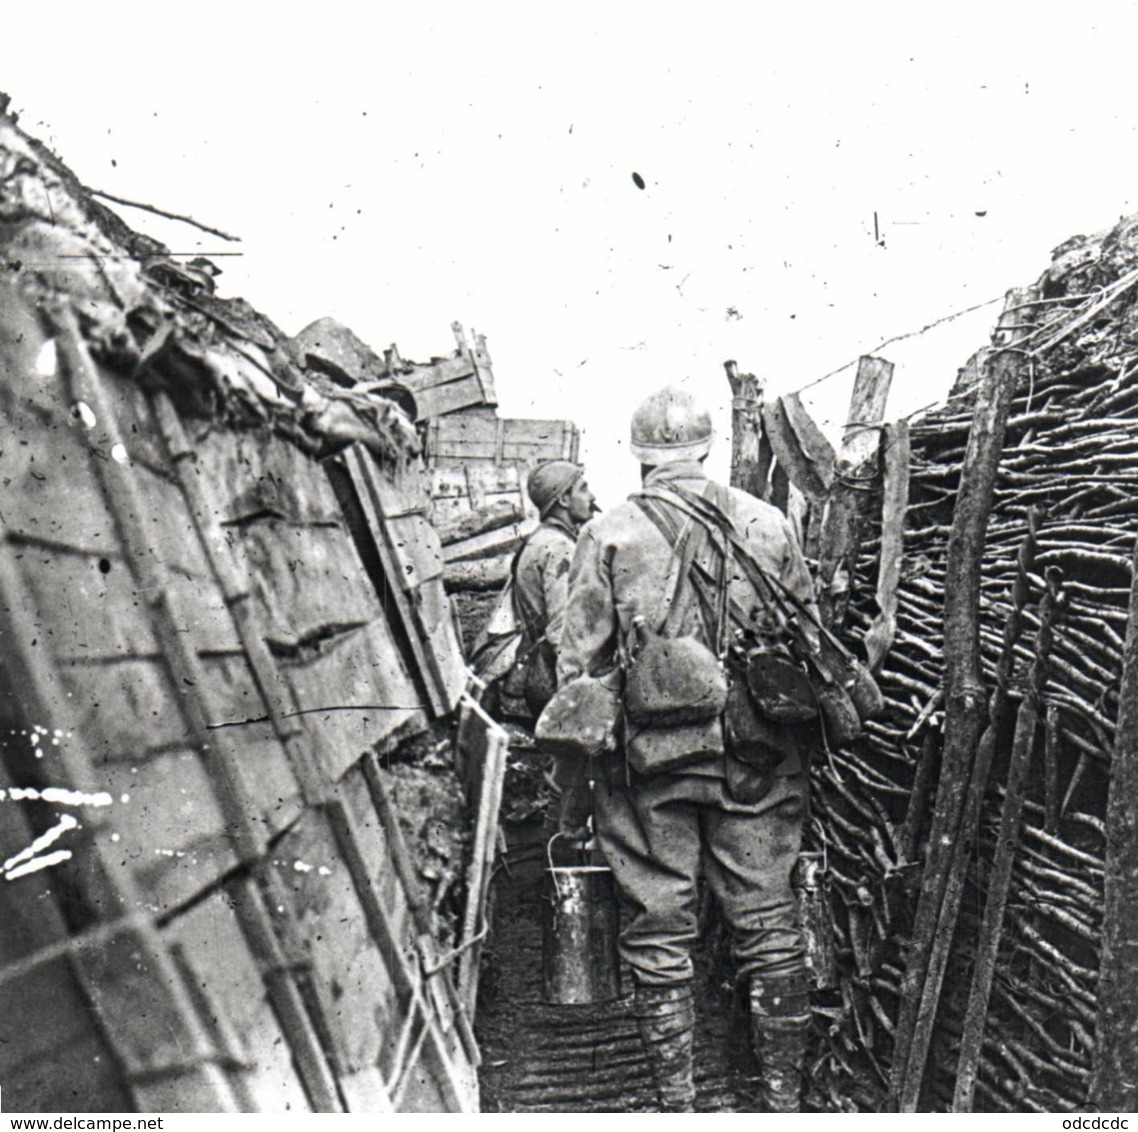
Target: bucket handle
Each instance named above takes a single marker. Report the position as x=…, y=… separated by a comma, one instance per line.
x=549, y=856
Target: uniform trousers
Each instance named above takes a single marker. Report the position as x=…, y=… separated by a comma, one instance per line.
x=659, y=833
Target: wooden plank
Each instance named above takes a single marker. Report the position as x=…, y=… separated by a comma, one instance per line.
x=879, y=636
x=130, y=708
x=489, y=544
x=165, y=1051
x=504, y=513
x=849, y=500
x=171, y=832
x=475, y=480
x=366, y=1091
x=485, y=756
x=463, y=436
x=322, y=891
x=811, y=439
x=283, y=704
x=44, y=1011
x=459, y=1086
x=409, y=893
x=480, y=358
x=477, y=574
x=445, y=389
x=279, y=971
x=410, y=555
x=88, y=605
x=788, y=451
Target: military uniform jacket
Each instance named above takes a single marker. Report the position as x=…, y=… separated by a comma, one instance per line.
x=621, y=569
x=541, y=584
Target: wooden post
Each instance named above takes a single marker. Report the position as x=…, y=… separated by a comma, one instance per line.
x=879, y=637
x=780, y=489
x=849, y=499
x=750, y=449
x=1114, y=1078
x=964, y=715
x=1000, y=877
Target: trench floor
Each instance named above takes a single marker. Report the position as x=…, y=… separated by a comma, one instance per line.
x=542, y=1058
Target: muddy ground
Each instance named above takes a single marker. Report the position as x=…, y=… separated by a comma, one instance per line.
x=541, y=1058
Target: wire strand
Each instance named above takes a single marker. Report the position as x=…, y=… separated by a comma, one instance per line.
x=900, y=338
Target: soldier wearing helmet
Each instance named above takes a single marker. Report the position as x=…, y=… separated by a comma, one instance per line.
x=678, y=800
x=564, y=502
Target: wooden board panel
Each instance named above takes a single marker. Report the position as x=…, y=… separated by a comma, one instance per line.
x=490, y=544
x=226, y=976
x=455, y=480
x=170, y=832
x=354, y=791
x=72, y=1069
x=23, y=932
x=33, y=373
x=88, y=607
x=461, y=489
x=51, y=495
x=306, y=581
x=126, y=712
x=256, y=473
x=353, y=972
x=144, y=1008
x=433, y=400
x=355, y=694
x=499, y=440
x=449, y=384
x=411, y=559
x=129, y=708
x=49, y=994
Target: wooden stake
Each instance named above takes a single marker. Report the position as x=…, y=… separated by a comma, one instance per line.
x=1114, y=1079
x=750, y=449
x=849, y=499
x=879, y=637
x=964, y=713
x=1000, y=877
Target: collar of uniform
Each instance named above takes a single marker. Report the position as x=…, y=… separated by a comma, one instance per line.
x=559, y=524
x=680, y=470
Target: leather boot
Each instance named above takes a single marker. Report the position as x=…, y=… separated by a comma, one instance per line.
x=665, y=1017
x=780, y=1027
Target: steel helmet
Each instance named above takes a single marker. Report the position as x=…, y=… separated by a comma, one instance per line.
x=549, y=482
x=670, y=426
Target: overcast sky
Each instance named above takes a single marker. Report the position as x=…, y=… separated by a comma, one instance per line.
x=817, y=177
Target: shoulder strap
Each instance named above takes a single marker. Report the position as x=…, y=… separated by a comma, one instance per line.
x=695, y=504
x=684, y=548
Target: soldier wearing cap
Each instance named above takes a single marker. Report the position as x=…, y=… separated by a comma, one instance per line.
x=710, y=812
